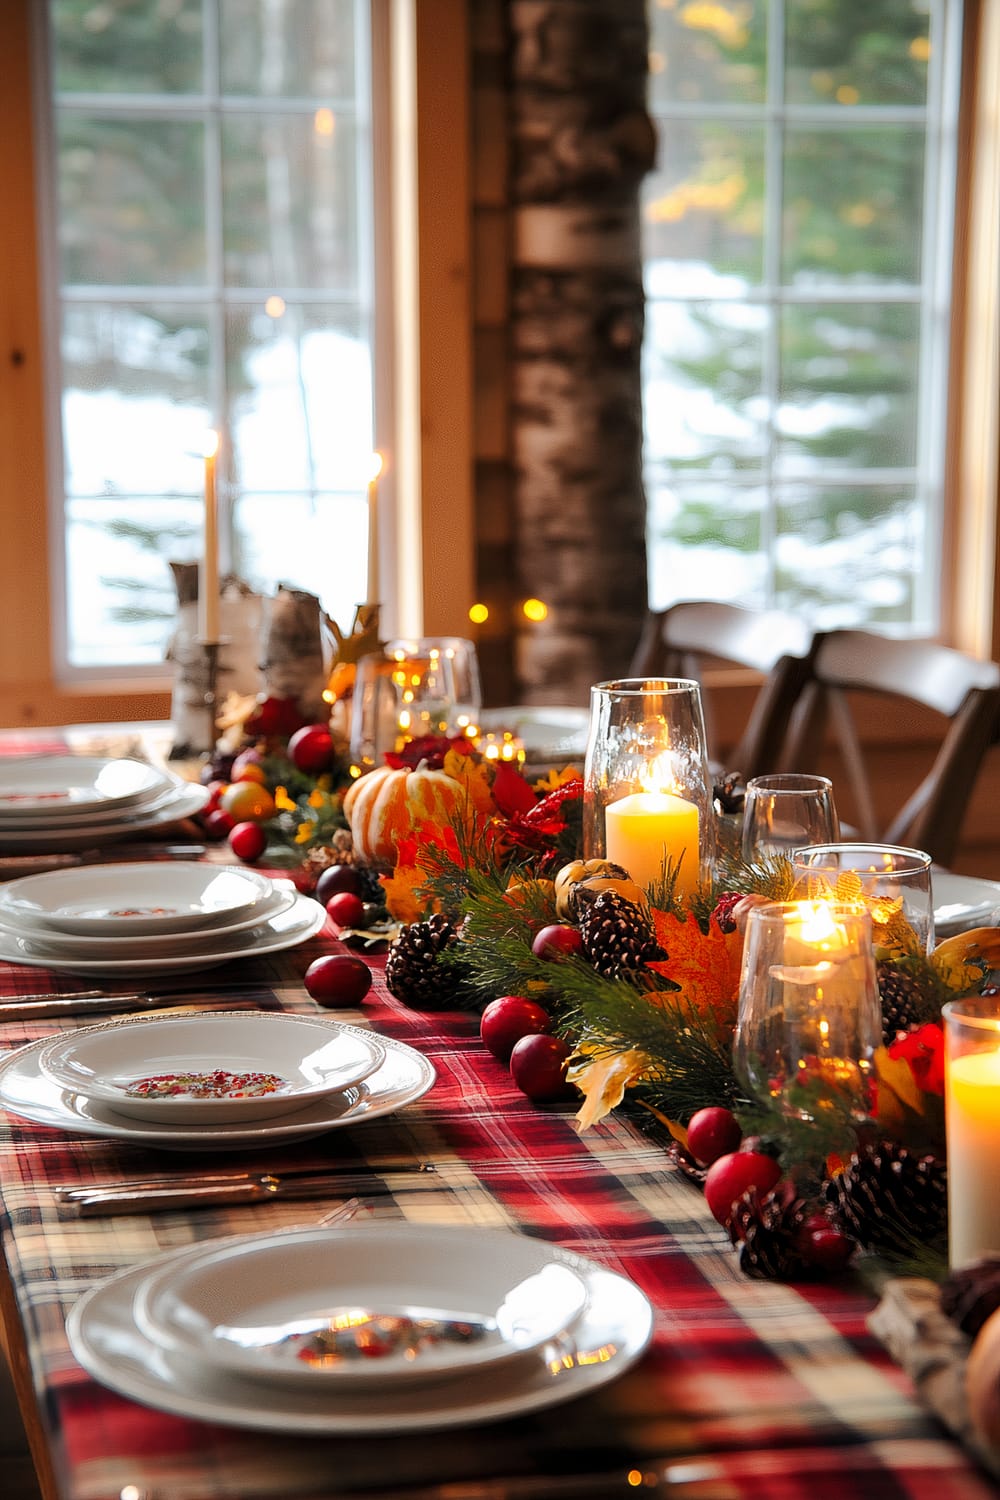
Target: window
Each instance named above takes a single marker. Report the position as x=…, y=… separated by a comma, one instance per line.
x=797, y=258
x=210, y=215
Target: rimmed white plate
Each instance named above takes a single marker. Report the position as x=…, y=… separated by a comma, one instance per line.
x=611, y=1334
x=156, y=945
x=303, y=919
x=269, y=1306
x=48, y=785
x=299, y=1058
x=403, y=1077
x=184, y=803
x=15, y=824
x=135, y=900
x=961, y=902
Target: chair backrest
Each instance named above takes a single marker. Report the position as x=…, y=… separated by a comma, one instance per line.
x=962, y=691
x=677, y=642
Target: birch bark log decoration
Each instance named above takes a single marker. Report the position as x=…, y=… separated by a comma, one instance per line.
x=237, y=672
x=582, y=142
x=292, y=651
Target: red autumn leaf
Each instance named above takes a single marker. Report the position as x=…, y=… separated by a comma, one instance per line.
x=705, y=965
x=511, y=793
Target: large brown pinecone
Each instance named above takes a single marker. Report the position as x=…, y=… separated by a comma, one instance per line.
x=900, y=997
x=768, y=1228
x=890, y=1200
x=414, y=972
x=969, y=1295
x=617, y=936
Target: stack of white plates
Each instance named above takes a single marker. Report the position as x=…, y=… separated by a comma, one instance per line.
x=364, y=1328
x=56, y=802
x=212, y=1080
x=161, y=916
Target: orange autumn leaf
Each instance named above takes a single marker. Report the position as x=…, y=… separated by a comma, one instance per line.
x=705, y=965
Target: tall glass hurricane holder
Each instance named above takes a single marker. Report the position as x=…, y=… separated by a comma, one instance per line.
x=647, y=787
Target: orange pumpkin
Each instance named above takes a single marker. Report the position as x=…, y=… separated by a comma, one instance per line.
x=386, y=804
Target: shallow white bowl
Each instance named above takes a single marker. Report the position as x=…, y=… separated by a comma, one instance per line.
x=44, y=786
x=232, y=1305
x=135, y=900
x=312, y=1056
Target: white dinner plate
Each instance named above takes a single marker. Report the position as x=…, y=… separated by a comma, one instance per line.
x=609, y=1337
x=404, y=1076
x=304, y=1058
x=15, y=825
x=184, y=803
x=961, y=902
x=159, y=945
x=265, y=1306
x=46, y=785
x=135, y=900
x=303, y=919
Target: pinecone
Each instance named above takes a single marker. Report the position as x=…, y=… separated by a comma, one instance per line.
x=617, y=937
x=413, y=971
x=900, y=997
x=971, y=1294
x=768, y=1231
x=888, y=1199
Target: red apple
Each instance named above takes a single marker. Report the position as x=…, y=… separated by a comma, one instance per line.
x=509, y=1018
x=248, y=841
x=731, y=1175
x=346, y=909
x=538, y=1067
x=712, y=1132
x=337, y=878
x=557, y=941
x=310, y=749
x=337, y=979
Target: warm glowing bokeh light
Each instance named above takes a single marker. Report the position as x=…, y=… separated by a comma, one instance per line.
x=534, y=609
x=275, y=306
x=479, y=614
x=210, y=443
x=324, y=122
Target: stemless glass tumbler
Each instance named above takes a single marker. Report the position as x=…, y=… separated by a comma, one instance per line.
x=809, y=1015
x=647, y=788
x=893, y=884
x=785, y=811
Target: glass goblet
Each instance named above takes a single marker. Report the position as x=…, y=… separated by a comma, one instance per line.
x=809, y=1017
x=783, y=812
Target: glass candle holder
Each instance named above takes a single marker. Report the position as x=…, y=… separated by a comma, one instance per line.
x=783, y=812
x=411, y=689
x=647, y=789
x=892, y=883
x=809, y=1017
x=972, y=1126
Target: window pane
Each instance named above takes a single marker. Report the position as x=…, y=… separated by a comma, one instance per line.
x=290, y=203
x=131, y=201
x=319, y=543
x=704, y=203
x=853, y=52
x=707, y=52
x=706, y=542
x=306, y=48
x=144, y=47
x=868, y=219
x=703, y=378
x=849, y=387
x=301, y=399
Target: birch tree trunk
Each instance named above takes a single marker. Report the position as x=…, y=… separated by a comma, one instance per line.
x=582, y=142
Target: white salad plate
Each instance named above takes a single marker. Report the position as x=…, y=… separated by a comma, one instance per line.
x=303, y=919
x=157, y=945
x=48, y=786
x=403, y=1077
x=610, y=1335
x=272, y=1307
x=182, y=802
x=961, y=902
x=301, y=1059
x=16, y=824
x=134, y=900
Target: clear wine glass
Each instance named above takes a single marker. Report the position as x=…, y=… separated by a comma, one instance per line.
x=781, y=813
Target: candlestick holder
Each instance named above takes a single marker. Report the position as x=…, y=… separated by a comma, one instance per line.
x=972, y=1126
x=210, y=692
x=647, y=788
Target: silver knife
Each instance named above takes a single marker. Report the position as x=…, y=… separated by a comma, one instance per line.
x=130, y=1200
x=69, y=1192
x=38, y=1007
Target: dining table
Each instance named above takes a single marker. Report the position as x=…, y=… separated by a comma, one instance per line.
x=748, y=1389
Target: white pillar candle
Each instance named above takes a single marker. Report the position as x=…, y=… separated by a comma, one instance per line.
x=208, y=581
x=644, y=828
x=972, y=1124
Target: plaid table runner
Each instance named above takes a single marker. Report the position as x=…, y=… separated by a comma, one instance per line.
x=750, y=1389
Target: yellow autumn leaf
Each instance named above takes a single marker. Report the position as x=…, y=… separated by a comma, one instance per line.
x=603, y=1080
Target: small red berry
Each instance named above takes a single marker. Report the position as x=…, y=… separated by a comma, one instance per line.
x=248, y=841
x=506, y=1020
x=730, y=1176
x=337, y=878
x=218, y=823
x=338, y=979
x=346, y=909
x=713, y=1132
x=538, y=1067
x=310, y=749
x=557, y=941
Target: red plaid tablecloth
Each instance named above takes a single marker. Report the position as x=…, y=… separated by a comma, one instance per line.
x=750, y=1389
